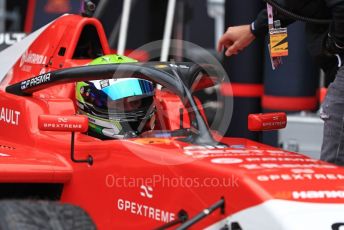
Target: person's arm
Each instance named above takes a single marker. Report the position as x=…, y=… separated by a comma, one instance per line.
x=260, y=26
x=237, y=38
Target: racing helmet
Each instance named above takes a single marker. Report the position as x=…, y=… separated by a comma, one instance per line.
x=116, y=108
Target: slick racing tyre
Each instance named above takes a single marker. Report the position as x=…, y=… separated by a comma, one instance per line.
x=35, y=215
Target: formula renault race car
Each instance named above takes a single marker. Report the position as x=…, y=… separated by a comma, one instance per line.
x=177, y=174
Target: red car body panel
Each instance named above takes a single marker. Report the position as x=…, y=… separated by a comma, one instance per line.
x=17, y=166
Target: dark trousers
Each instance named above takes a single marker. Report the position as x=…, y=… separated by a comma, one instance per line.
x=333, y=115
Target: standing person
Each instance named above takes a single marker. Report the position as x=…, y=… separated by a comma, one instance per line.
x=326, y=45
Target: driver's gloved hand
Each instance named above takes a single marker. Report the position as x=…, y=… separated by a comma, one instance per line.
x=332, y=47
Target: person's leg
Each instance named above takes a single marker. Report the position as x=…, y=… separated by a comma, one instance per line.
x=333, y=115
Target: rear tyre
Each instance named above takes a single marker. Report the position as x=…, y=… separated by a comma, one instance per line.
x=34, y=215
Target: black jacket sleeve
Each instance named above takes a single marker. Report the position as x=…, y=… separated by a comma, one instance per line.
x=308, y=8
x=260, y=26
x=337, y=27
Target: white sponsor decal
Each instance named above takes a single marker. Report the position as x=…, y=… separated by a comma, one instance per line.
x=35, y=81
x=62, y=120
x=199, y=153
x=11, y=38
x=145, y=211
x=222, y=150
x=247, y=147
x=278, y=166
x=204, y=147
x=146, y=191
x=62, y=126
x=326, y=194
x=279, y=159
x=274, y=123
x=226, y=161
x=33, y=58
x=302, y=171
x=247, y=154
x=4, y=155
x=301, y=176
x=180, y=66
x=9, y=116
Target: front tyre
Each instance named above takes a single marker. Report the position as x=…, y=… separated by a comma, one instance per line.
x=34, y=215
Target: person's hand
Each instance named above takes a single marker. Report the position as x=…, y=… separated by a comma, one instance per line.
x=235, y=39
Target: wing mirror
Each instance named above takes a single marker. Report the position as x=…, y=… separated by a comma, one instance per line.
x=267, y=121
x=61, y=123
x=74, y=123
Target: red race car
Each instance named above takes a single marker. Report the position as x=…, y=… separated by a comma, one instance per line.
x=177, y=173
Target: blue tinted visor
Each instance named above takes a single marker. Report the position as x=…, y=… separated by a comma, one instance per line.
x=123, y=88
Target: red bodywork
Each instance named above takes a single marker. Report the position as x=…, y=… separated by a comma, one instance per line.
x=176, y=175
